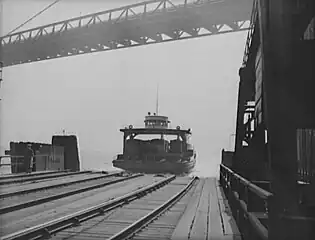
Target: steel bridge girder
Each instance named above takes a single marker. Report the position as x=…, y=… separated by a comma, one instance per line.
x=94, y=32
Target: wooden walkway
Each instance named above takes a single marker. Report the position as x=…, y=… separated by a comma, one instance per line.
x=201, y=214
x=207, y=215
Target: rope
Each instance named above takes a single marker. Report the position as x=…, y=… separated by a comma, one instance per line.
x=30, y=19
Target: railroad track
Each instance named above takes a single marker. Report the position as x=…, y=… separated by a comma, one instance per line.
x=120, y=218
x=29, y=179
x=30, y=201
x=31, y=190
x=30, y=175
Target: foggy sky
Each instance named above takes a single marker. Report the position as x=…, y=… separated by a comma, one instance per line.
x=93, y=95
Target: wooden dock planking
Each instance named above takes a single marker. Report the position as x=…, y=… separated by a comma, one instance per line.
x=209, y=214
x=183, y=227
x=28, y=217
x=19, y=199
x=230, y=228
x=122, y=217
x=220, y=192
x=46, y=182
x=81, y=236
x=160, y=230
x=215, y=222
x=202, y=214
x=163, y=227
x=200, y=228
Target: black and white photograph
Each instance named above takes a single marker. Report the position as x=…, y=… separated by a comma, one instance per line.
x=157, y=119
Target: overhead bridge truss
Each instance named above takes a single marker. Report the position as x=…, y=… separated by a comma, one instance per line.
x=129, y=26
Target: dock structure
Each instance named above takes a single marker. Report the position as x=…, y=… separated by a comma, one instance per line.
x=270, y=180
x=266, y=187
x=207, y=215
x=121, y=206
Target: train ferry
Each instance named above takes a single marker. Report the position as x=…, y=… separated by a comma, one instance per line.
x=156, y=148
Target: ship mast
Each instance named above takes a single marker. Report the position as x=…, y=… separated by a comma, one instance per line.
x=157, y=100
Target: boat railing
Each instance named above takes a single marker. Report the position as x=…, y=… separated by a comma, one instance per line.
x=251, y=205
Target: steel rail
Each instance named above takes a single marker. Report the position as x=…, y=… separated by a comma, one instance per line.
x=48, y=228
x=31, y=175
x=43, y=177
x=31, y=203
x=11, y=194
x=142, y=222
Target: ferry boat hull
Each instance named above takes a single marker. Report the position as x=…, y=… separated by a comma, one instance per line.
x=154, y=167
